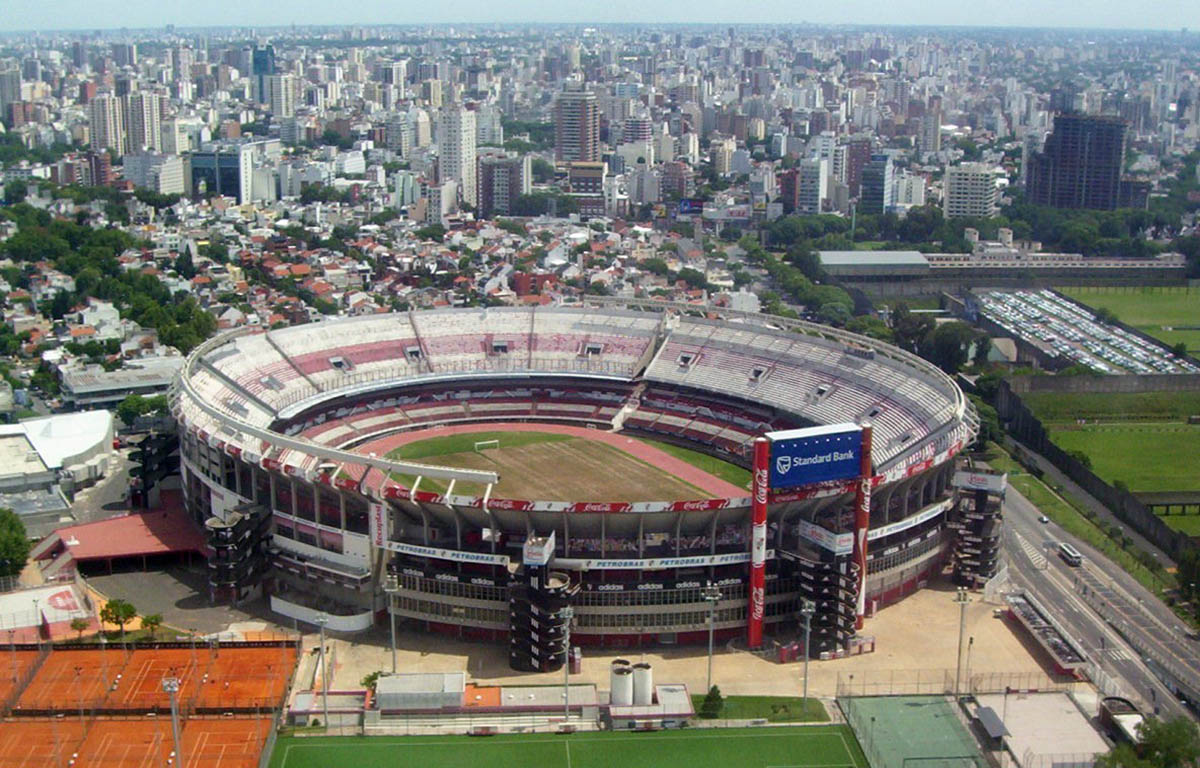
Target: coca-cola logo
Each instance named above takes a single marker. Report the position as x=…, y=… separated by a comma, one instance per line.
x=694, y=505
x=760, y=486
x=504, y=504
x=757, y=601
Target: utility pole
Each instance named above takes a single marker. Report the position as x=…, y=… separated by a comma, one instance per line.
x=391, y=585
x=171, y=686
x=711, y=593
x=962, y=599
x=322, y=620
x=807, y=609
x=568, y=614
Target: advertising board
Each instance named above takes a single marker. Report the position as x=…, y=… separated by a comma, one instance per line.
x=815, y=455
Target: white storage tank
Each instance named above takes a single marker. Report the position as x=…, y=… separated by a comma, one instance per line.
x=643, y=685
x=621, y=682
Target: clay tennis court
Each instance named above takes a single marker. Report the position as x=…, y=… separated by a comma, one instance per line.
x=66, y=677
x=218, y=743
x=14, y=665
x=246, y=677
x=38, y=742
x=230, y=677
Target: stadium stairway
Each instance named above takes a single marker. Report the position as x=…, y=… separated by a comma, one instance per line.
x=631, y=405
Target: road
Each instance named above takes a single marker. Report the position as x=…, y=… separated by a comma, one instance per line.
x=1094, y=601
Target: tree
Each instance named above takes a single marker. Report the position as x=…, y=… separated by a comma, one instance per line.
x=1180, y=349
x=910, y=329
x=152, y=623
x=431, y=232
x=370, y=680
x=80, y=625
x=14, y=543
x=1173, y=743
x=947, y=346
x=712, y=704
x=543, y=171
x=119, y=612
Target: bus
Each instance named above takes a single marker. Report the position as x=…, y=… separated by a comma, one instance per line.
x=1070, y=555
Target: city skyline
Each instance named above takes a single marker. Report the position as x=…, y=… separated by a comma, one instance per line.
x=29, y=15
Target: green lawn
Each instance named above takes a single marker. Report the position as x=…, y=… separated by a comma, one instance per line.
x=831, y=746
x=730, y=473
x=1148, y=309
x=1146, y=457
x=1052, y=407
x=775, y=709
x=1066, y=512
x=1189, y=524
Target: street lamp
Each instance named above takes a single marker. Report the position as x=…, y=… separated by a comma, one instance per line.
x=967, y=673
x=962, y=600
x=807, y=609
x=79, y=692
x=391, y=585
x=711, y=593
x=568, y=613
x=322, y=620
x=171, y=686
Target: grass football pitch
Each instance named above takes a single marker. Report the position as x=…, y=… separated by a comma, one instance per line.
x=1150, y=310
x=1146, y=457
x=796, y=747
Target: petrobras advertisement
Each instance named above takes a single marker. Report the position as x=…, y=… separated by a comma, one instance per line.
x=815, y=455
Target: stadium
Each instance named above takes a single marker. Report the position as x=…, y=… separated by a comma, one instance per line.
x=293, y=456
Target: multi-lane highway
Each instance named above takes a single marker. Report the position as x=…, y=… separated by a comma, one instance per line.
x=1130, y=633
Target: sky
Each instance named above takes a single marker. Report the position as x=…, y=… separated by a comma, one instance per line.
x=106, y=14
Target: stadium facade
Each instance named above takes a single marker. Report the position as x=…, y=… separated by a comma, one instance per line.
x=270, y=421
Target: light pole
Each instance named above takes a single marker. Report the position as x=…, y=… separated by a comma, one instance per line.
x=322, y=620
x=192, y=633
x=807, y=609
x=171, y=686
x=104, y=658
x=711, y=593
x=391, y=585
x=568, y=613
x=79, y=692
x=967, y=671
x=37, y=622
x=12, y=645
x=962, y=599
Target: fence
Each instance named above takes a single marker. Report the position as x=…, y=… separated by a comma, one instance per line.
x=1060, y=760
x=940, y=682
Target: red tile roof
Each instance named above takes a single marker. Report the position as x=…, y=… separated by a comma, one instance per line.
x=156, y=532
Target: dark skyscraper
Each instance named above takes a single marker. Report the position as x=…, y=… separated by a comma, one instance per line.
x=262, y=67
x=1080, y=165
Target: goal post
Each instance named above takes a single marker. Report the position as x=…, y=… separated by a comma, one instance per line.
x=483, y=445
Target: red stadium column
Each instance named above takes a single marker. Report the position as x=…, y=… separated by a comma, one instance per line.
x=862, y=522
x=758, y=542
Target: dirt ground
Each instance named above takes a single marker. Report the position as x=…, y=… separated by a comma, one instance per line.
x=919, y=634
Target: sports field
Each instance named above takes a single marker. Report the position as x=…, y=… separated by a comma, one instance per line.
x=1069, y=407
x=1146, y=457
x=1151, y=310
x=554, y=463
x=800, y=747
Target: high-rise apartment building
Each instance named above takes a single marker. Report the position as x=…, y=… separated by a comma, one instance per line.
x=877, y=190
x=456, y=151
x=106, y=121
x=576, y=125
x=812, y=186
x=858, y=154
x=10, y=88
x=143, y=123
x=502, y=179
x=969, y=190
x=281, y=95
x=1080, y=164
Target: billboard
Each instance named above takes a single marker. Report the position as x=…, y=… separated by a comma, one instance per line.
x=977, y=480
x=815, y=455
x=538, y=550
x=690, y=205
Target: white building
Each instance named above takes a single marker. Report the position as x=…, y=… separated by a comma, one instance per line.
x=969, y=191
x=813, y=185
x=106, y=121
x=159, y=173
x=456, y=151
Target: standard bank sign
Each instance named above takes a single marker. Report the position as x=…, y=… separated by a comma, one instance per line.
x=815, y=455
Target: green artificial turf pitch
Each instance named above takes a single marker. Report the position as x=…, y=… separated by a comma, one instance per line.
x=787, y=747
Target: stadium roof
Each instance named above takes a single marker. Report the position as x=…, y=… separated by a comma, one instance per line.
x=873, y=259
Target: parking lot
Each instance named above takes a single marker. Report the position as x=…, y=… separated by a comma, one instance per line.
x=1060, y=328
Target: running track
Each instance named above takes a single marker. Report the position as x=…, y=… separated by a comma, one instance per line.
x=714, y=486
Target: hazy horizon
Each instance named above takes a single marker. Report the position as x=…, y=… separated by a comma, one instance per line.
x=1169, y=15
